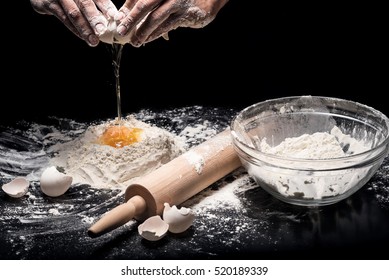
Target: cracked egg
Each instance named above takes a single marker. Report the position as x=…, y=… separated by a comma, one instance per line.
x=118, y=136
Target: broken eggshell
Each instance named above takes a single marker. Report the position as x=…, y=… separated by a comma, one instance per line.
x=54, y=183
x=111, y=36
x=179, y=220
x=18, y=187
x=153, y=229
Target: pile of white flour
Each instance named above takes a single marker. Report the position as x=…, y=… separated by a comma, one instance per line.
x=310, y=184
x=319, y=145
x=103, y=166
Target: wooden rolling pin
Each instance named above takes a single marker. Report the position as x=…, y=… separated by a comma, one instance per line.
x=174, y=182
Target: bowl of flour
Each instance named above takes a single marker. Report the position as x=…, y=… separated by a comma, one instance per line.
x=310, y=150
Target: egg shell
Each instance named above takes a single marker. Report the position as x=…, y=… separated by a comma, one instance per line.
x=179, y=220
x=54, y=183
x=153, y=229
x=109, y=34
x=18, y=187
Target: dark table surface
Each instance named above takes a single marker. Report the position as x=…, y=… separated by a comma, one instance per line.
x=235, y=219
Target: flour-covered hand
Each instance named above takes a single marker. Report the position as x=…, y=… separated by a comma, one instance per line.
x=146, y=20
x=85, y=18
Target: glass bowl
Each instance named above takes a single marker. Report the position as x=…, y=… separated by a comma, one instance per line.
x=310, y=150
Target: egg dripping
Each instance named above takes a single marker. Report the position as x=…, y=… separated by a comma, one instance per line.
x=118, y=136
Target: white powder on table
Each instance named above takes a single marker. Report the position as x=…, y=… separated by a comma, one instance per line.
x=103, y=166
x=311, y=184
x=54, y=211
x=199, y=132
x=223, y=197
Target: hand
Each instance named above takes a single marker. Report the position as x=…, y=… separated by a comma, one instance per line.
x=85, y=18
x=146, y=20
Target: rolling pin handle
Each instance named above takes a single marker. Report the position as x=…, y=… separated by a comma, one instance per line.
x=118, y=216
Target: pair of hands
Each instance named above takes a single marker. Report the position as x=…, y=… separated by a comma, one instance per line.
x=138, y=21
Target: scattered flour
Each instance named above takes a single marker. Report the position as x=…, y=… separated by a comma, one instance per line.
x=199, y=131
x=196, y=160
x=88, y=220
x=224, y=197
x=103, y=166
x=54, y=211
x=380, y=186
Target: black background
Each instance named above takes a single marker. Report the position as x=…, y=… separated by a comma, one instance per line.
x=252, y=51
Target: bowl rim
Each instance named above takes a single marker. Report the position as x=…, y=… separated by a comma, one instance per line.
x=286, y=158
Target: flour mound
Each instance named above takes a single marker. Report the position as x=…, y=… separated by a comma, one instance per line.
x=312, y=184
x=320, y=145
x=103, y=166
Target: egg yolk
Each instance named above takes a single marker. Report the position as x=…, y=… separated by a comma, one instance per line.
x=120, y=136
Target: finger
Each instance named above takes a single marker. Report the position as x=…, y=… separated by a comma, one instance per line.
x=107, y=8
x=191, y=17
x=166, y=15
x=43, y=7
x=60, y=14
x=125, y=9
x=140, y=10
x=96, y=20
x=80, y=23
x=47, y=7
x=53, y=8
x=174, y=21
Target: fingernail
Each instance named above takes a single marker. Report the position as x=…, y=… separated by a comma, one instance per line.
x=137, y=43
x=121, y=30
x=93, y=40
x=119, y=15
x=100, y=28
x=112, y=12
